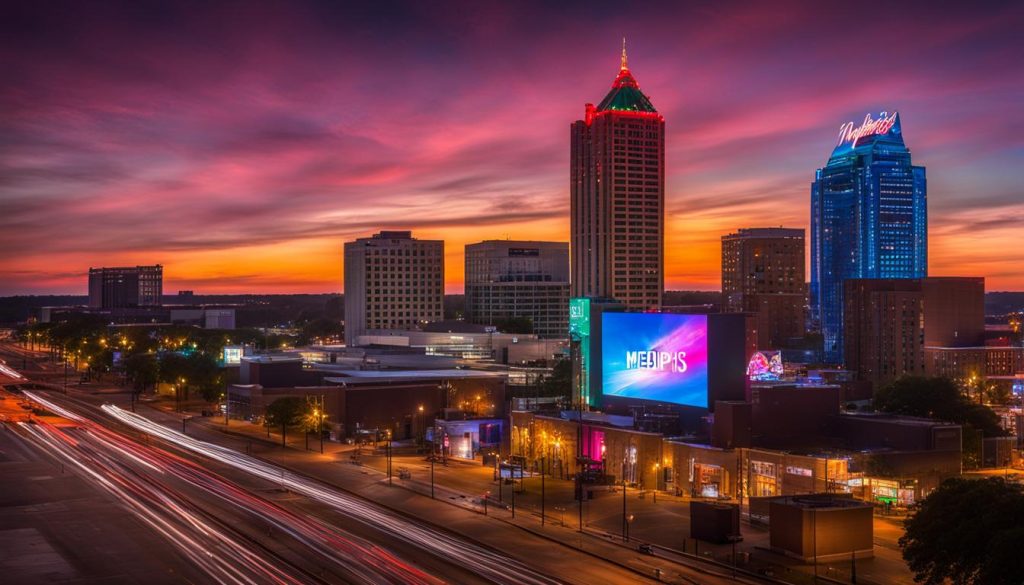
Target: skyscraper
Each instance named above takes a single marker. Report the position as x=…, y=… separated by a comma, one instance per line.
x=392, y=281
x=763, y=274
x=126, y=286
x=516, y=279
x=617, y=187
x=868, y=219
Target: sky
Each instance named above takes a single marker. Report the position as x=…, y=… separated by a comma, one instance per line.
x=240, y=144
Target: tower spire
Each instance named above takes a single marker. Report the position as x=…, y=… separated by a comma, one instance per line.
x=624, y=65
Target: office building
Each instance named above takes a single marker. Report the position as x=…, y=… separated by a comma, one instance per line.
x=763, y=274
x=899, y=327
x=126, y=287
x=954, y=311
x=868, y=219
x=519, y=280
x=617, y=186
x=392, y=281
x=884, y=329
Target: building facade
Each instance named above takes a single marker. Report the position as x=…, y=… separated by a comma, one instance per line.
x=763, y=274
x=884, y=329
x=617, y=186
x=519, y=279
x=125, y=287
x=392, y=281
x=891, y=324
x=868, y=219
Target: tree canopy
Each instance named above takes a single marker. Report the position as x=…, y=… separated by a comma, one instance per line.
x=289, y=411
x=967, y=531
x=286, y=412
x=937, y=398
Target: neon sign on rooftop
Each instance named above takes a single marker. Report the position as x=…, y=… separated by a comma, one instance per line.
x=870, y=127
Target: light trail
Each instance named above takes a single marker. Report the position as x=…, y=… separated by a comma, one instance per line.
x=362, y=562
x=487, y=563
x=223, y=558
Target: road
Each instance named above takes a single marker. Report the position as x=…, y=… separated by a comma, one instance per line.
x=306, y=539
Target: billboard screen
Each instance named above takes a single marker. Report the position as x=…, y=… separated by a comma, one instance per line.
x=655, y=356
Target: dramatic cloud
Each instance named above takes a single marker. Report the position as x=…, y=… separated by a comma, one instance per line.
x=241, y=144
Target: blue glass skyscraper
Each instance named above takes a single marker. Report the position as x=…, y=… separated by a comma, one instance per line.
x=869, y=219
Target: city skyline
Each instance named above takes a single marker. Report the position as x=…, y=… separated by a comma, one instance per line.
x=242, y=162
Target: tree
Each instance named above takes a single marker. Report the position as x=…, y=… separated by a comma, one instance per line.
x=559, y=383
x=318, y=329
x=142, y=369
x=289, y=411
x=941, y=399
x=521, y=325
x=968, y=531
x=204, y=374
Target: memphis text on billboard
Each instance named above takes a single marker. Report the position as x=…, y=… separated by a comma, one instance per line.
x=655, y=356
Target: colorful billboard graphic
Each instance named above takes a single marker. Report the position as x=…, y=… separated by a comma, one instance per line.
x=656, y=356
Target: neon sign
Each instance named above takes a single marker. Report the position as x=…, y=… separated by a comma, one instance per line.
x=765, y=366
x=870, y=127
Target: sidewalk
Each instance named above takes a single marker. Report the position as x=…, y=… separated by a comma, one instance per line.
x=463, y=516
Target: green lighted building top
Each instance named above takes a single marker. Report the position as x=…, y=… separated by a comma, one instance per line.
x=625, y=95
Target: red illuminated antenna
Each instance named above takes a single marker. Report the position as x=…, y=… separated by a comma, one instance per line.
x=624, y=65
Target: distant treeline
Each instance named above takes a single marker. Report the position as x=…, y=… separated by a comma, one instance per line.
x=266, y=310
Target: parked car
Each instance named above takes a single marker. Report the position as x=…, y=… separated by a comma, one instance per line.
x=646, y=549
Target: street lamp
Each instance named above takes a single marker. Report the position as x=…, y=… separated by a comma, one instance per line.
x=654, y=497
x=388, y=451
x=542, y=517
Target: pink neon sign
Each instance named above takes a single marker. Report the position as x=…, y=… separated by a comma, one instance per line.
x=885, y=122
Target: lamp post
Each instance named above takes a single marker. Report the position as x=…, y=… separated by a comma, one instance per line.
x=420, y=422
x=625, y=526
x=433, y=442
x=513, y=473
x=387, y=451
x=542, y=518
x=320, y=423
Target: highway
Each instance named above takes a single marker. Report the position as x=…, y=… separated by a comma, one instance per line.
x=266, y=524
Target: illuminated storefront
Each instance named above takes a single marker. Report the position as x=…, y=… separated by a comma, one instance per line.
x=764, y=479
x=707, y=480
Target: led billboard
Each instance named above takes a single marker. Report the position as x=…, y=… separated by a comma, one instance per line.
x=655, y=356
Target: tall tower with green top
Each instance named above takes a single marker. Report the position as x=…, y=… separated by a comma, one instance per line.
x=617, y=185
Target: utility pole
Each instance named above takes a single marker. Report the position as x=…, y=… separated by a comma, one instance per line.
x=625, y=526
x=542, y=497
x=579, y=482
x=320, y=428
x=814, y=536
x=388, y=447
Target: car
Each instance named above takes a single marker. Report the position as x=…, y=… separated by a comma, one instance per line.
x=646, y=549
